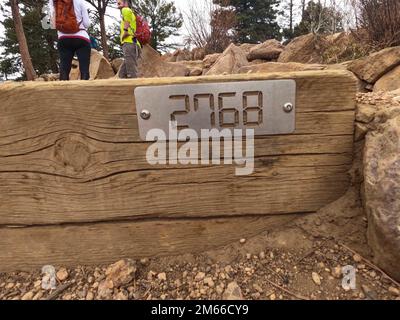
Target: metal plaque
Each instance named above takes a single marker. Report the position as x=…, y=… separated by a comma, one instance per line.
x=267, y=106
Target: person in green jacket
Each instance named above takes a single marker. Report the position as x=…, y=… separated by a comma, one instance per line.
x=130, y=45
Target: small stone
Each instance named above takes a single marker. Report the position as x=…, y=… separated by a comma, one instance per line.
x=10, y=285
x=394, y=291
x=272, y=297
x=121, y=273
x=62, y=274
x=200, y=276
x=68, y=296
x=357, y=258
x=242, y=241
x=258, y=288
x=28, y=296
x=233, y=292
x=372, y=274
x=90, y=295
x=316, y=278
x=162, y=276
x=248, y=256
x=38, y=296
x=121, y=296
x=337, y=272
x=209, y=282
x=144, y=261
x=262, y=255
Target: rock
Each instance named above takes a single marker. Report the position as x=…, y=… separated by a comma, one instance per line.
x=269, y=50
x=258, y=288
x=162, y=276
x=209, y=282
x=242, y=241
x=62, y=274
x=373, y=67
x=357, y=258
x=210, y=59
x=370, y=294
x=180, y=55
x=105, y=289
x=121, y=273
x=200, y=276
x=246, y=47
x=365, y=113
x=231, y=60
x=361, y=131
x=152, y=65
x=233, y=292
x=99, y=68
x=90, y=295
x=120, y=296
x=272, y=297
x=382, y=194
x=116, y=64
x=198, y=53
x=389, y=82
x=270, y=67
x=304, y=49
x=394, y=291
x=316, y=278
x=28, y=296
x=195, y=72
x=195, y=67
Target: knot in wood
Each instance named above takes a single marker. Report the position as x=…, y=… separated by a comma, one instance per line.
x=73, y=153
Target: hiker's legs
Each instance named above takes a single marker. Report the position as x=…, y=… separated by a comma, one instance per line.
x=66, y=52
x=83, y=53
x=122, y=71
x=131, y=55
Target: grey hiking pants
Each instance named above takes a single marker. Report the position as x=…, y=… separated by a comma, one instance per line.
x=129, y=68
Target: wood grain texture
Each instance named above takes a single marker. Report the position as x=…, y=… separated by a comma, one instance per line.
x=71, y=153
x=103, y=243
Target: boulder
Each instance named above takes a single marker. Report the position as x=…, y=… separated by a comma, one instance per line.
x=230, y=61
x=373, y=67
x=246, y=47
x=100, y=68
x=269, y=67
x=195, y=67
x=304, y=49
x=210, y=59
x=181, y=55
x=198, y=53
x=389, y=82
x=116, y=64
x=269, y=50
x=151, y=65
x=75, y=73
x=382, y=195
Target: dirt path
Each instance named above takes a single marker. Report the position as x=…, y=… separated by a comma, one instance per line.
x=301, y=261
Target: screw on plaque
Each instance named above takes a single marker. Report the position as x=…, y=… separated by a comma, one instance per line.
x=145, y=114
x=288, y=107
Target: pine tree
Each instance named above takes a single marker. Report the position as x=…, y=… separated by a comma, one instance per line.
x=256, y=20
x=41, y=43
x=164, y=20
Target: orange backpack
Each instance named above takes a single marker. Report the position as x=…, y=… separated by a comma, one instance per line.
x=66, y=21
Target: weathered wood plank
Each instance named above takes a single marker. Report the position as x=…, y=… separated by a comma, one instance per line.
x=280, y=184
x=70, y=152
x=102, y=243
